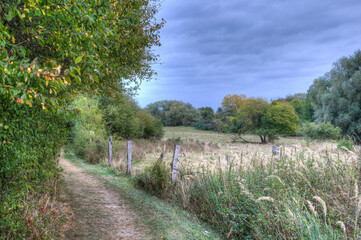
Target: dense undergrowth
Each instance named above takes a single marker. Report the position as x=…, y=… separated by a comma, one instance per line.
x=31, y=139
x=303, y=197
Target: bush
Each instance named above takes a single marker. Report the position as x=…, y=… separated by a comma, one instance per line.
x=319, y=131
x=345, y=144
x=31, y=139
x=205, y=125
x=155, y=178
x=125, y=119
x=99, y=118
x=89, y=135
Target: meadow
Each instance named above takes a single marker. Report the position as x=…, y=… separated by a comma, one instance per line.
x=310, y=191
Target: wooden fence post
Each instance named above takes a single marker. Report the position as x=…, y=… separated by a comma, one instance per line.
x=275, y=151
x=110, y=150
x=175, y=163
x=129, y=169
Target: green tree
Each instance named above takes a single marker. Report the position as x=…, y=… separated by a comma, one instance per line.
x=207, y=113
x=174, y=113
x=336, y=96
x=257, y=116
x=50, y=50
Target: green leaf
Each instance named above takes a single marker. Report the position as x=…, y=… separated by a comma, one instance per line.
x=78, y=59
x=9, y=16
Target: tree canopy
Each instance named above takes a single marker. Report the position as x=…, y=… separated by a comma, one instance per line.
x=336, y=95
x=52, y=49
x=257, y=116
x=174, y=113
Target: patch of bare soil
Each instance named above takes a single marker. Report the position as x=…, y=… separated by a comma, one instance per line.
x=97, y=212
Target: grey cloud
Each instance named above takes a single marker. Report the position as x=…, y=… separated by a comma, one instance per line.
x=260, y=48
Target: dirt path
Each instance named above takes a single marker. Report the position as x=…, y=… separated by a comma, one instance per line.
x=97, y=211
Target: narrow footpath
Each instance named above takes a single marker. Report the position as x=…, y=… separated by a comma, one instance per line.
x=97, y=211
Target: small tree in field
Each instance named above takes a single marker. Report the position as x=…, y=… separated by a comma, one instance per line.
x=257, y=116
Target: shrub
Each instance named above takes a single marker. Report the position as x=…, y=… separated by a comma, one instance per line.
x=319, y=131
x=155, y=178
x=30, y=141
x=89, y=135
x=345, y=144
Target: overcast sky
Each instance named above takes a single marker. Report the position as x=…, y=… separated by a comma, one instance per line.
x=261, y=48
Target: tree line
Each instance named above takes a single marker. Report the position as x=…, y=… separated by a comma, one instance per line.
x=331, y=107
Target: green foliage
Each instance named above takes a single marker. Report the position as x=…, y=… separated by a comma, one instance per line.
x=174, y=113
x=51, y=50
x=30, y=141
x=155, y=178
x=207, y=113
x=125, y=119
x=89, y=134
x=336, y=96
x=266, y=120
x=304, y=109
x=280, y=118
x=101, y=117
x=319, y=131
x=345, y=144
x=289, y=199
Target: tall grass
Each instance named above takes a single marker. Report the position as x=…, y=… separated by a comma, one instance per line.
x=303, y=196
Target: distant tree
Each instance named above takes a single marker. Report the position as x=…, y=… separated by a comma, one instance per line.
x=207, y=113
x=302, y=106
x=304, y=109
x=257, y=116
x=233, y=102
x=174, y=113
x=301, y=96
x=336, y=96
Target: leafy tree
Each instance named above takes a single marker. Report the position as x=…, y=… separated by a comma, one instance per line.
x=174, y=113
x=50, y=50
x=257, y=116
x=336, y=96
x=280, y=118
x=207, y=113
x=233, y=102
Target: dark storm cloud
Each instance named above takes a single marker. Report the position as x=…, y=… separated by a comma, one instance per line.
x=258, y=48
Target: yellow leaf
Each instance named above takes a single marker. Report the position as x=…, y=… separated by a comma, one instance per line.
x=29, y=103
x=13, y=39
x=26, y=79
x=46, y=82
x=23, y=15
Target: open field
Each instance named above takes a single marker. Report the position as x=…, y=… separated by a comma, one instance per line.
x=209, y=149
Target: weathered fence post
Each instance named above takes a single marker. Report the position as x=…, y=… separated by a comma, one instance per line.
x=129, y=169
x=110, y=150
x=175, y=163
x=227, y=159
x=275, y=151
